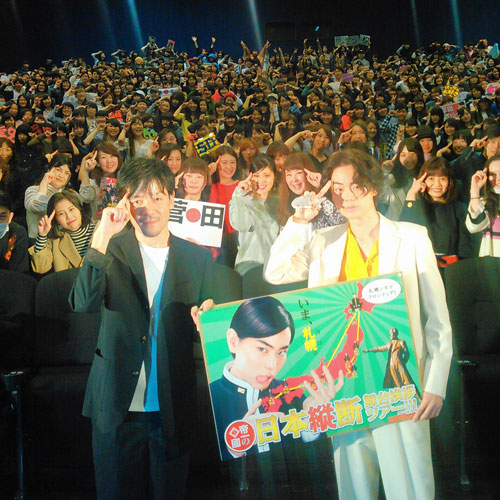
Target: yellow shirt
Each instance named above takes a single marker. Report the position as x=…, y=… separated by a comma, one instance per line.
x=354, y=265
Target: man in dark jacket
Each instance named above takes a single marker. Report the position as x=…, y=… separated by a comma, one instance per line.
x=13, y=239
x=141, y=389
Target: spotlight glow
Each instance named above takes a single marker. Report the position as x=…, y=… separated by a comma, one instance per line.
x=135, y=22
x=415, y=23
x=103, y=8
x=252, y=6
x=456, y=23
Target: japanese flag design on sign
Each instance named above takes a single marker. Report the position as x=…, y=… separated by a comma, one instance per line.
x=197, y=221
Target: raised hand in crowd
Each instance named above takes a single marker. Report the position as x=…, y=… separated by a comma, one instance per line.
x=418, y=186
x=314, y=178
x=246, y=184
x=308, y=205
x=113, y=220
x=478, y=144
x=45, y=224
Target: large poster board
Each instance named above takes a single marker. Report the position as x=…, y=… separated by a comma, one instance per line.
x=258, y=378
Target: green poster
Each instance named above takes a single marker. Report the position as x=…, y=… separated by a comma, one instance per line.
x=260, y=354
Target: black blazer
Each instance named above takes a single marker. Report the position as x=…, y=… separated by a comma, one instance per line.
x=115, y=284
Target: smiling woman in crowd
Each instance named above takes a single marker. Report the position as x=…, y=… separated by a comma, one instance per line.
x=252, y=212
x=64, y=234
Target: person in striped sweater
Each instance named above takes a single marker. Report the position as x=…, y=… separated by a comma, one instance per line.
x=62, y=244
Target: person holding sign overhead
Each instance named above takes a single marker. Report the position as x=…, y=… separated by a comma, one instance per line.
x=369, y=245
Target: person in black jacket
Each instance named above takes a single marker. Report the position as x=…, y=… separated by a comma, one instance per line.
x=141, y=389
x=13, y=239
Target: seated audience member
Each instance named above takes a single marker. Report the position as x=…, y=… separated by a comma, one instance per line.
x=194, y=181
x=484, y=207
x=56, y=178
x=97, y=176
x=13, y=239
x=252, y=212
x=431, y=202
x=64, y=234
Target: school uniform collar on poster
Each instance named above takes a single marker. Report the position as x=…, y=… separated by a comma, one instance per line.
x=245, y=389
x=252, y=394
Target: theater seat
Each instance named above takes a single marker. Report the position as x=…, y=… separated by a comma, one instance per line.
x=59, y=436
x=17, y=310
x=473, y=296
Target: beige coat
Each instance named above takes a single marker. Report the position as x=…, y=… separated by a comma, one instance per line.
x=60, y=254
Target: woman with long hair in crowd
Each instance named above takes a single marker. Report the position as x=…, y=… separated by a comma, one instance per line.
x=225, y=182
x=252, y=212
x=133, y=138
x=172, y=155
x=484, y=207
x=279, y=152
x=248, y=151
x=56, y=178
x=399, y=174
x=358, y=133
x=187, y=113
x=97, y=176
x=299, y=176
x=9, y=178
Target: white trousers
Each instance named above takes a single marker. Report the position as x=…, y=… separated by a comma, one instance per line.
x=402, y=452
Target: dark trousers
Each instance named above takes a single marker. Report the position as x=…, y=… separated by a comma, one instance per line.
x=135, y=461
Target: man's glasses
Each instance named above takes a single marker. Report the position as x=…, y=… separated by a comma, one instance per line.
x=356, y=190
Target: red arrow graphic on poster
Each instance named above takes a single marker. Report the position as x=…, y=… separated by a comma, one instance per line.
x=343, y=357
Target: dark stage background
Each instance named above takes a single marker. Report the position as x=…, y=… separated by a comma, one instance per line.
x=63, y=28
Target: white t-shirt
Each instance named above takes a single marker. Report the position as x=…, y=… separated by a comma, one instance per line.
x=155, y=263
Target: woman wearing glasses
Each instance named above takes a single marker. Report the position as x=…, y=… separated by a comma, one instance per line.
x=55, y=179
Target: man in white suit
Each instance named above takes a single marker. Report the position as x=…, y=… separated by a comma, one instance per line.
x=369, y=245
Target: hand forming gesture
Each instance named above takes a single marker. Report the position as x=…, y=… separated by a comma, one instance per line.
x=478, y=181
x=308, y=205
x=246, y=184
x=45, y=224
x=89, y=161
x=113, y=220
x=418, y=186
x=314, y=178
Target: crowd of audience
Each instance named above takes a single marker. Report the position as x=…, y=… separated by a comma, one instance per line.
x=254, y=133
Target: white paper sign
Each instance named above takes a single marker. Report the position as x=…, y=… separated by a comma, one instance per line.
x=197, y=221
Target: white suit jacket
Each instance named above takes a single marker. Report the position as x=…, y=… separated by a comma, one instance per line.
x=297, y=255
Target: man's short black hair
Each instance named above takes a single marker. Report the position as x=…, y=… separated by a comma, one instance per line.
x=5, y=200
x=144, y=173
x=262, y=317
x=492, y=132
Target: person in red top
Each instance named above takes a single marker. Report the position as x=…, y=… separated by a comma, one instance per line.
x=222, y=190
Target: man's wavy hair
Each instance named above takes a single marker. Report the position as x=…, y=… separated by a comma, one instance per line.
x=368, y=173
